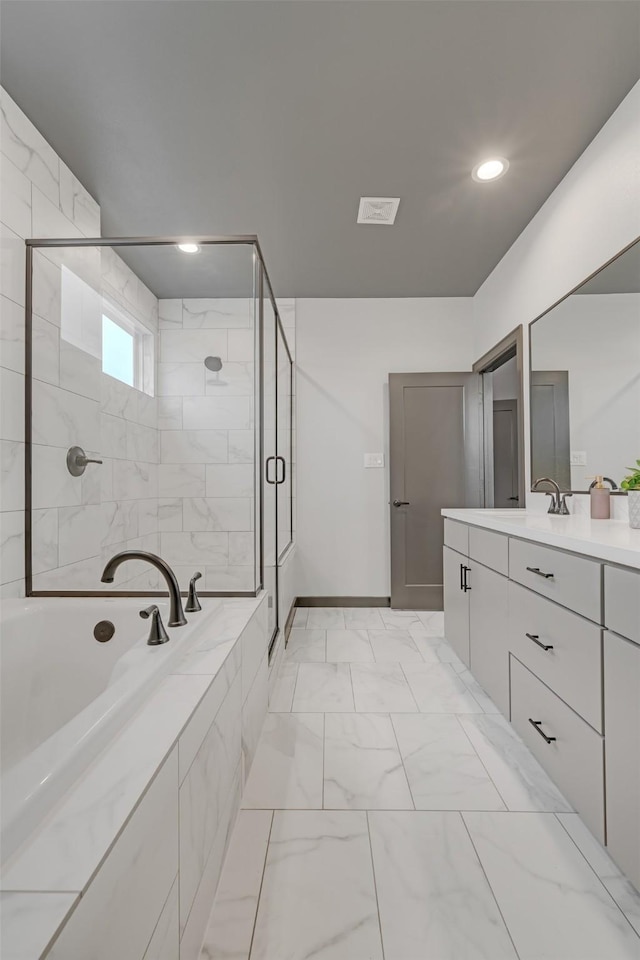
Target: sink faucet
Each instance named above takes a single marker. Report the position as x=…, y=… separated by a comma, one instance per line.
x=176, y=613
x=556, y=503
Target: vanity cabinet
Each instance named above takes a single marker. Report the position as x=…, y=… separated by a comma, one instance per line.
x=553, y=636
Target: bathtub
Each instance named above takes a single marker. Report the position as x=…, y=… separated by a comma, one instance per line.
x=63, y=695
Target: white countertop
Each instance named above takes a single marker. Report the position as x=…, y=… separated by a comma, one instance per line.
x=610, y=540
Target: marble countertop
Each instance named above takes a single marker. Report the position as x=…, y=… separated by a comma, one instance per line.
x=610, y=540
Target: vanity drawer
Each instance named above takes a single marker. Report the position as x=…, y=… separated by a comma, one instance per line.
x=573, y=665
x=456, y=536
x=622, y=602
x=575, y=759
x=574, y=582
x=490, y=549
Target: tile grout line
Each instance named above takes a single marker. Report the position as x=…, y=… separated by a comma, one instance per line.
x=484, y=766
x=258, y=898
x=404, y=673
x=375, y=884
x=324, y=747
x=493, y=894
x=395, y=734
x=555, y=814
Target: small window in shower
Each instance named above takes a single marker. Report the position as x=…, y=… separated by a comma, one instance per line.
x=127, y=349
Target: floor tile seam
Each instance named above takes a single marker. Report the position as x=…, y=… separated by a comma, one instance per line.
x=601, y=881
x=413, y=696
x=375, y=885
x=493, y=893
x=395, y=734
x=259, y=897
x=324, y=750
x=484, y=766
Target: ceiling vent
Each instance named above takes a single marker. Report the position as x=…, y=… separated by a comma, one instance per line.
x=381, y=210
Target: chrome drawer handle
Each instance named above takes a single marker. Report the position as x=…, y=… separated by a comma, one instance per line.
x=538, y=572
x=536, y=639
x=536, y=724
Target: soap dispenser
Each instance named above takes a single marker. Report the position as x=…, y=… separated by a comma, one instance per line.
x=600, y=499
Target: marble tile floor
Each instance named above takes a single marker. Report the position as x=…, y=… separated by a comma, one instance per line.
x=391, y=813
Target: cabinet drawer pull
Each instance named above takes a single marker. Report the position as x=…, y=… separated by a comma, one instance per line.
x=462, y=569
x=466, y=586
x=538, y=572
x=536, y=724
x=536, y=639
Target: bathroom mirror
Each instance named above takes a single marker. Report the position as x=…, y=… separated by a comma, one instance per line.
x=585, y=379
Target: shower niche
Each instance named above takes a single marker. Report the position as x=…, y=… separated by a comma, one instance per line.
x=171, y=370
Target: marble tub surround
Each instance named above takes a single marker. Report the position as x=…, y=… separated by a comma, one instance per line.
x=611, y=540
x=393, y=829
x=196, y=716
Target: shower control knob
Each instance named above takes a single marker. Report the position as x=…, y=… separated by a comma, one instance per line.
x=77, y=461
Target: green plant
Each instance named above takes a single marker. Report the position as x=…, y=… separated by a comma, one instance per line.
x=632, y=482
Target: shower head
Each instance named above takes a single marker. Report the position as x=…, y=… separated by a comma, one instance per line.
x=213, y=363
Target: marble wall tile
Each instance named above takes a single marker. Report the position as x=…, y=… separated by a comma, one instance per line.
x=169, y=413
x=230, y=928
x=192, y=346
x=241, y=446
x=219, y=313
x=287, y=767
x=165, y=940
x=362, y=765
x=529, y=859
x=318, y=897
x=47, y=220
x=119, y=521
x=63, y=419
x=253, y=643
x=12, y=344
x=241, y=548
x=170, y=514
x=81, y=532
x=113, y=436
x=80, y=372
x=234, y=380
x=222, y=513
x=230, y=579
x=45, y=351
x=27, y=919
x=444, y=771
x=181, y=480
x=169, y=314
x=46, y=288
x=217, y=413
x=15, y=198
x=134, y=480
x=12, y=265
x=11, y=475
x=241, y=346
x=52, y=484
x=118, y=399
x=28, y=150
x=433, y=896
x=77, y=204
x=254, y=711
x=194, y=446
x=11, y=405
x=230, y=480
x=181, y=380
x=11, y=546
x=197, y=548
x=44, y=534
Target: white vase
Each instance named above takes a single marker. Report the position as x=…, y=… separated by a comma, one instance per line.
x=634, y=509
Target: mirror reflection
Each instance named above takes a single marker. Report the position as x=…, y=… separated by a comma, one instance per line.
x=585, y=380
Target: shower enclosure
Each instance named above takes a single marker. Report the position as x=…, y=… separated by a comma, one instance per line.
x=159, y=407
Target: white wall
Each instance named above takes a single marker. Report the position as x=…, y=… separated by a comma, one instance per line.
x=345, y=351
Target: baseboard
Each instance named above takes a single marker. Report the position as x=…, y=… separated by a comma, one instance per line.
x=342, y=601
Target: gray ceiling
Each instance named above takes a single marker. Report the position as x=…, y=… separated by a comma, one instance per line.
x=622, y=275
x=275, y=117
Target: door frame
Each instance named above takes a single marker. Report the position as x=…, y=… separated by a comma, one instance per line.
x=510, y=346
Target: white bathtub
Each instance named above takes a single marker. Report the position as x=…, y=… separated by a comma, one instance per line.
x=64, y=696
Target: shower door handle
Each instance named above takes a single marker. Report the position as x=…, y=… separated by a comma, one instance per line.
x=284, y=470
x=266, y=470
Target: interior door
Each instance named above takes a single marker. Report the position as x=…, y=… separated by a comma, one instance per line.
x=505, y=453
x=435, y=453
x=550, y=430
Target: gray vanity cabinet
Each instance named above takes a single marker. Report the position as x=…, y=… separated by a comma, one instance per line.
x=622, y=719
x=456, y=602
x=489, y=653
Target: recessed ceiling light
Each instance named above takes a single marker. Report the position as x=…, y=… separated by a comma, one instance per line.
x=189, y=247
x=490, y=169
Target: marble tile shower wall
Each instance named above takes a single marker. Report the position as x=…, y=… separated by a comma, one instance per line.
x=206, y=475
x=75, y=522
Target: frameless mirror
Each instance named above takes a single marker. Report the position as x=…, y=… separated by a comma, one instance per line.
x=585, y=379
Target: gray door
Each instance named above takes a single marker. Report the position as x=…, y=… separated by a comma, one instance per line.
x=505, y=453
x=435, y=461
x=550, y=444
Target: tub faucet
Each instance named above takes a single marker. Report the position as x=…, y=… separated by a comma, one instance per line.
x=556, y=502
x=176, y=613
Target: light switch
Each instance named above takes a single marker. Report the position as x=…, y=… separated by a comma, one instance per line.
x=578, y=458
x=373, y=460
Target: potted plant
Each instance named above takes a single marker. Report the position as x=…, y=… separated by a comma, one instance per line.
x=632, y=485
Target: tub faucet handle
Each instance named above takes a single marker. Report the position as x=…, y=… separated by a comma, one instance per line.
x=157, y=633
x=193, y=604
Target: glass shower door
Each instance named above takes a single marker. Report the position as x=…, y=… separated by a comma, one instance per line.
x=269, y=460
x=284, y=442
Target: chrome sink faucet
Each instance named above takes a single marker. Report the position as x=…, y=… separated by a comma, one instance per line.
x=558, y=505
x=176, y=613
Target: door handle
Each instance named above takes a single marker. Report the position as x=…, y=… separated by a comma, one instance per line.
x=266, y=470
x=401, y=503
x=284, y=470
x=513, y=498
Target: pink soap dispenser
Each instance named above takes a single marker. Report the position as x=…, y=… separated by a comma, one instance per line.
x=600, y=499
